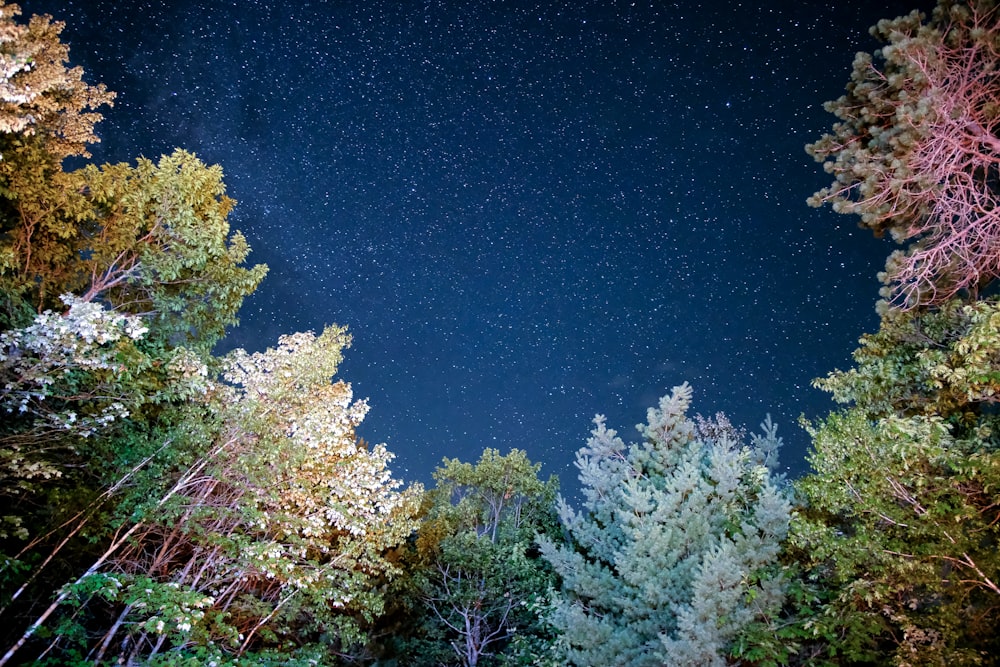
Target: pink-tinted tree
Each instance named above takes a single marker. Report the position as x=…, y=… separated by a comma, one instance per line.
x=916, y=151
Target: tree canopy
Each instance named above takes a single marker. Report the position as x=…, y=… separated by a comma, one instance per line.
x=676, y=550
x=915, y=150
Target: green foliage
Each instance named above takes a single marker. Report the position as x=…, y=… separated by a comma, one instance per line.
x=163, y=247
x=477, y=578
x=39, y=96
x=157, y=513
x=68, y=380
x=151, y=240
x=940, y=362
x=676, y=551
x=901, y=520
x=902, y=524
x=897, y=536
x=273, y=538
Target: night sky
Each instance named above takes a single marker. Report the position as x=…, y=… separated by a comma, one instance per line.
x=526, y=213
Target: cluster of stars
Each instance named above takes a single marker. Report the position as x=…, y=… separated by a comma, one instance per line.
x=526, y=213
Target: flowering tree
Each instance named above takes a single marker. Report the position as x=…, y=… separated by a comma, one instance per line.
x=916, y=151
x=275, y=536
x=68, y=379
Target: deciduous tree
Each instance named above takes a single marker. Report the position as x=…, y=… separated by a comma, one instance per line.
x=902, y=514
x=272, y=539
x=40, y=96
x=480, y=572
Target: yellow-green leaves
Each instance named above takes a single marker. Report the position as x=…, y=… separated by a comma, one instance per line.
x=937, y=362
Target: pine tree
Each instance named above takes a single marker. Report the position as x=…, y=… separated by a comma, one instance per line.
x=900, y=521
x=916, y=151
x=675, y=552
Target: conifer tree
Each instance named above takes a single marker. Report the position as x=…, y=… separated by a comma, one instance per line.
x=916, y=150
x=899, y=527
x=675, y=552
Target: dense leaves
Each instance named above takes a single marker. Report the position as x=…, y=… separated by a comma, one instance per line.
x=274, y=536
x=478, y=578
x=166, y=506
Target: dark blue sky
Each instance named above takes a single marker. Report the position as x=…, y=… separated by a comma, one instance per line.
x=526, y=213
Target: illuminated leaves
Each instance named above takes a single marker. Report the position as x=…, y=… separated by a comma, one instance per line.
x=151, y=239
x=286, y=524
x=943, y=362
x=479, y=581
x=38, y=94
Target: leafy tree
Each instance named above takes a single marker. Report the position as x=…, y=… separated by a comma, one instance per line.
x=75, y=392
x=916, y=152
x=899, y=529
x=39, y=96
x=903, y=518
x=478, y=576
x=271, y=540
x=158, y=244
x=195, y=520
x=46, y=115
x=151, y=240
x=676, y=551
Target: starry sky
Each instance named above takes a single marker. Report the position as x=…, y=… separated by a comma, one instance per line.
x=525, y=212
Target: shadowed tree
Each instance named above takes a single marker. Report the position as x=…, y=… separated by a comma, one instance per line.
x=478, y=572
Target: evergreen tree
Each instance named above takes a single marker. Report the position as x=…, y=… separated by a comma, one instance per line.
x=675, y=552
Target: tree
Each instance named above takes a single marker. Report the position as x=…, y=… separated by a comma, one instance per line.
x=900, y=518
x=676, y=551
x=46, y=115
x=270, y=540
x=902, y=515
x=76, y=393
x=916, y=151
x=479, y=573
x=151, y=240
x=39, y=96
x=158, y=244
